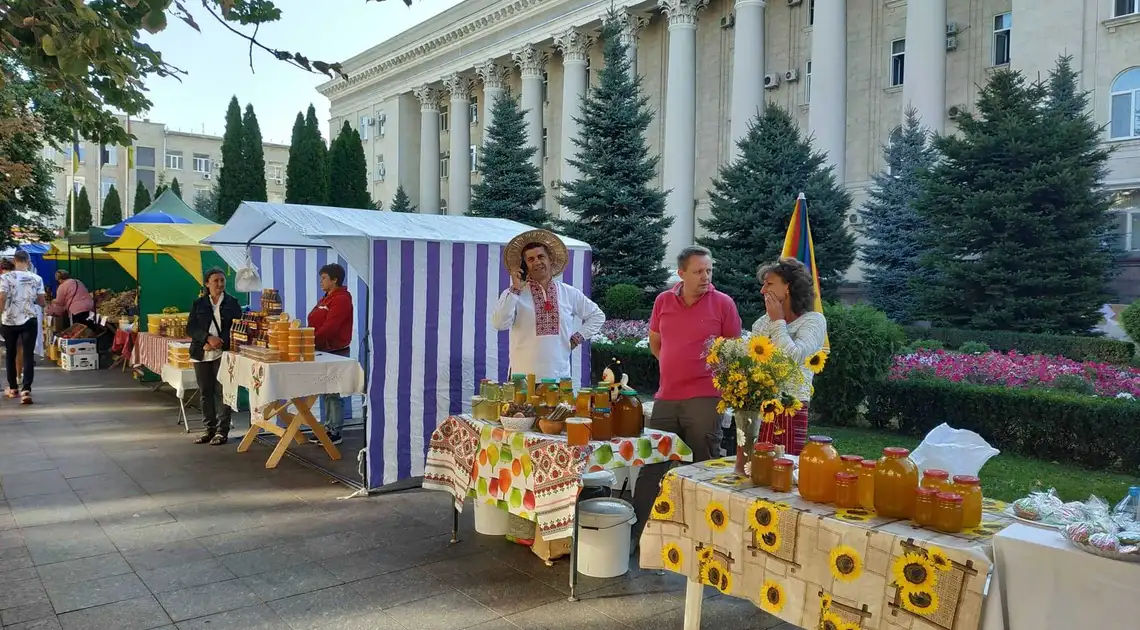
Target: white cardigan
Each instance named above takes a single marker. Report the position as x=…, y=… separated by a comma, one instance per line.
x=800, y=339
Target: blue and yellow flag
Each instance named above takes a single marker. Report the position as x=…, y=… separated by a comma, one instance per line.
x=799, y=245
x=75, y=156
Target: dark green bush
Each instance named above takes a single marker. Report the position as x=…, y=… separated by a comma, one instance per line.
x=973, y=347
x=1073, y=384
x=1102, y=433
x=1077, y=348
x=638, y=363
x=1130, y=320
x=926, y=344
x=863, y=344
x=623, y=301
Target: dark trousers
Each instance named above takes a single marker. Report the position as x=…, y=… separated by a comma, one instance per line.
x=697, y=422
x=216, y=414
x=20, y=337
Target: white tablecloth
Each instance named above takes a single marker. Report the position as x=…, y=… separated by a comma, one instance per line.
x=1044, y=583
x=181, y=381
x=270, y=382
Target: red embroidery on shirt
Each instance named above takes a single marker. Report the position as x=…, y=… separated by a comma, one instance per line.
x=546, y=318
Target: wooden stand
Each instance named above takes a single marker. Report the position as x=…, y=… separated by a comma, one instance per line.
x=292, y=431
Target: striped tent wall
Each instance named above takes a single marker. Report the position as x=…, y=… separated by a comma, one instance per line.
x=432, y=342
x=294, y=272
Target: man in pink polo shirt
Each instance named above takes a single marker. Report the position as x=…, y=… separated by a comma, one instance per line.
x=684, y=318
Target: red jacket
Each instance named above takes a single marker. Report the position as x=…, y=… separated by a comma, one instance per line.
x=332, y=319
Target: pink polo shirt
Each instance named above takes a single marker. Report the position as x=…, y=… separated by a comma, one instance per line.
x=685, y=330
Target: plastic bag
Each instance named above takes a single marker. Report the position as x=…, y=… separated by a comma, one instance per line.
x=246, y=279
x=957, y=451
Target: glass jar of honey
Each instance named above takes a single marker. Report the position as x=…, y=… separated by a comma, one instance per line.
x=782, y=474
x=628, y=417
x=548, y=390
x=948, y=513
x=867, y=484
x=896, y=477
x=819, y=461
x=603, y=427
x=582, y=405
x=602, y=396
x=970, y=489
x=925, y=504
x=846, y=490
x=937, y=479
x=850, y=463
x=763, y=455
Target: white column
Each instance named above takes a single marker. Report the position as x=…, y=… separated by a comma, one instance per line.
x=827, y=114
x=494, y=77
x=531, y=62
x=924, y=83
x=631, y=25
x=459, y=179
x=679, y=169
x=574, y=47
x=748, y=69
x=429, y=148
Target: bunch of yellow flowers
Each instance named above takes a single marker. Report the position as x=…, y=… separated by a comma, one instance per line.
x=753, y=374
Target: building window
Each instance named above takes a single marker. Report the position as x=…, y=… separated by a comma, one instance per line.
x=898, y=61
x=49, y=154
x=365, y=123
x=381, y=118
x=545, y=87
x=275, y=173
x=444, y=165
x=80, y=183
x=109, y=155
x=105, y=186
x=1124, y=120
x=807, y=83
x=474, y=158
x=380, y=171
x=589, y=74
x=443, y=118
x=1126, y=7
x=443, y=206
x=82, y=154
x=811, y=12
x=473, y=110
x=174, y=160
x=544, y=153
x=1002, y=25
x=144, y=157
x=201, y=163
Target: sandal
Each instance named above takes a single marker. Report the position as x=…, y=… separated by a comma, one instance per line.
x=11, y=393
x=26, y=398
x=204, y=438
x=219, y=440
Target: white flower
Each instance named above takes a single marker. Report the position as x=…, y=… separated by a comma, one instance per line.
x=1125, y=396
x=600, y=339
x=643, y=343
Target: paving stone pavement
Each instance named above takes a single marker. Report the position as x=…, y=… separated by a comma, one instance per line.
x=111, y=519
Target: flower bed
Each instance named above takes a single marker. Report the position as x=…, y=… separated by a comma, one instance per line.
x=623, y=331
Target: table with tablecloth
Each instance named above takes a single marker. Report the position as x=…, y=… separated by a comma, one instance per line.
x=287, y=391
x=536, y=476
x=151, y=350
x=809, y=563
x=185, y=386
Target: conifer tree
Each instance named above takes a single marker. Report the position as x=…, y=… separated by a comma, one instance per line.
x=320, y=158
x=752, y=202
x=510, y=186
x=307, y=171
x=296, y=187
x=232, y=181
x=253, y=157
x=142, y=199
x=401, y=202
x=348, y=171
x=206, y=202
x=176, y=187
x=112, y=207
x=82, y=211
x=615, y=205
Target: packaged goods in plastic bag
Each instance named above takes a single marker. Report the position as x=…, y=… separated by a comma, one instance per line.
x=957, y=451
x=246, y=278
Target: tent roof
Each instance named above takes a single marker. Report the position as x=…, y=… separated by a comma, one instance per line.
x=172, y=204
x=93, y=236
x=149, y=237
x=60, y=250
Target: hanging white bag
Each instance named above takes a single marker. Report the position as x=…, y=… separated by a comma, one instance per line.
x=247, y=279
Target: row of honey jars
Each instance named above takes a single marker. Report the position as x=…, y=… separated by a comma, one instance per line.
x=770, y=471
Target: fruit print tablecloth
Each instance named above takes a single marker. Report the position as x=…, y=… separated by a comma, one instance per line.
x=532, y=475
x=813, y=565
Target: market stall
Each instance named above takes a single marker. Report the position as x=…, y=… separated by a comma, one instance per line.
x=90, y=264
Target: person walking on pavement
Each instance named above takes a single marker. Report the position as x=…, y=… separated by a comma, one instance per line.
x=21, y=298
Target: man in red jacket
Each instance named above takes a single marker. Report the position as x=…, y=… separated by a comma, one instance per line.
x=332, y=320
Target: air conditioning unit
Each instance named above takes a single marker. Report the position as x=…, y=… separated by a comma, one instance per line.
x=854, y=218
x=369, y=121
x=205, y=176
x=952, y=43
x=381, y=117
x=795, y=3
x=792, y=75
x=728, y=21
x=381, y=172
x=279, y=180
x=555, y=184
x=771, y=81
x=952, y=28
x=955, y=111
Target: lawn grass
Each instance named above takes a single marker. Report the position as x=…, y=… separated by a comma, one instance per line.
x=1005, y=477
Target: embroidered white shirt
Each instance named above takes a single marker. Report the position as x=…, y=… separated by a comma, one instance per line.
x=800, y=339
x=541, y=335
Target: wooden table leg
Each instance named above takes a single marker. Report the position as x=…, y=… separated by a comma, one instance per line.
x=694, y=599
x=290, y=434
x=304, y=409
x=255, y=426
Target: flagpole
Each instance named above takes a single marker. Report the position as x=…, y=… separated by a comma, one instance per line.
x=99, y=176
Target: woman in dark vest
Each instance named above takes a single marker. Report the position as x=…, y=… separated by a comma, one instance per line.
x=209, y=328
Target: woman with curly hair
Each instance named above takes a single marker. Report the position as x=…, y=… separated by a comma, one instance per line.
x=793, y=326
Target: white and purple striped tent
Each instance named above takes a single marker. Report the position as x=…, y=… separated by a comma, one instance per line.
x=424, y=330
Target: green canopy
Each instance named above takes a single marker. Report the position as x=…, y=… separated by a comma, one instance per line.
x=93, y=237
x=172, y=204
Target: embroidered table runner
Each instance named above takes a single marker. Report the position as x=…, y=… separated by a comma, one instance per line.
x=270, y=382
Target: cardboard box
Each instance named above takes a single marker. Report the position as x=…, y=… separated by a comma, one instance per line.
x=80, y=362
x=77, y=346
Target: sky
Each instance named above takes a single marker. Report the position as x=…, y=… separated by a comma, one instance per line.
x=217, y=61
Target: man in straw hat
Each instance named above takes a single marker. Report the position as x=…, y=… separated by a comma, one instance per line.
x=541, y=312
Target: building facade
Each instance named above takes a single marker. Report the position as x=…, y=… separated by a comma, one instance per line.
x=847, y=69
x=159, y=156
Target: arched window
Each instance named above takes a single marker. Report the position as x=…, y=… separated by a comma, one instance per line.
x=1125, y=103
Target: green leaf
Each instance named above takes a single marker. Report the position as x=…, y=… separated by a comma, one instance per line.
x=482, y=486
x=604, y=454
x=72, y=63
x=48, y=45
x=154, y=21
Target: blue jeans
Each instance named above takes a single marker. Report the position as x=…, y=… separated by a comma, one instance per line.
x=332, y=412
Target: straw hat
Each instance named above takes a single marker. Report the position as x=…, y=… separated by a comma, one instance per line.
x=512, y=253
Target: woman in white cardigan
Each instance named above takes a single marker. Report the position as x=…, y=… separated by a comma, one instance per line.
x=796, y=328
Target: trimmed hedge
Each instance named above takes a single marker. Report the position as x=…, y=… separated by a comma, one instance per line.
x=1102, y=433
x=638, y=363
x=1077, y=348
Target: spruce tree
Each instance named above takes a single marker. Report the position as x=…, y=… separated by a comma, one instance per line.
x=142, y=199
x=82, y=211
x=891, y=257
x=253, y=158
x=159, y=189
x=176, y=187
x=752, y=202
x=616, y=208
x=348, y=171
x=401, y=202
x=510, y=186
x=1018, y=212
x=320, y=157
x=307, y=175
x=296, y=186
x=206, y=203
x=112, y=208
x=232, y=180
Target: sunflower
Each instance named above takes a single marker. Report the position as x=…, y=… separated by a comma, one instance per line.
x=938, y=559
x=672, y=558
x=816, y=362
x=769, y=541
x=761, y=349
x=663, y=509
x=846, y=566
x=772, y=597
x=712, y=573
x=793, y=406
x=854, y=515
x=725, y=586
x=770, y=409
x=825, y=601
x=705, y=554
x=729, y=480
x=920, y=602
x=716, y=516
x=832, y=621
x=993, y=505
x=913, y=572
x=762, y=516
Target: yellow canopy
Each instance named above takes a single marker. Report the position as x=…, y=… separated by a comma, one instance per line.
x=60, y=251
x=182, y=241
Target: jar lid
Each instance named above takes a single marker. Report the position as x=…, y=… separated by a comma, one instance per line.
x=869, y=463
x=783, y=462
x=518, y=375
x=967, y=480
x=851, y=458
x=765, y=447
x=896, y=451
x=926, y=491
x=822, y=439
x=549, y=380
x=935, y=473
x=950, y=497
x=846, y=476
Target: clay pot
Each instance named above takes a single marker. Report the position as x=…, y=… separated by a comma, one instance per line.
x=551, y=427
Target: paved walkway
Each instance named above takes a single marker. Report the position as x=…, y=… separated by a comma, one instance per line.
x=111, y=519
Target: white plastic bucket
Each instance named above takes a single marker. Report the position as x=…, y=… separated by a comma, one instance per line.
x=491, y=520
x=603, y=537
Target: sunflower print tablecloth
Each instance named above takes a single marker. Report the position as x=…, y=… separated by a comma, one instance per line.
x=813, y=565
x=532, y=475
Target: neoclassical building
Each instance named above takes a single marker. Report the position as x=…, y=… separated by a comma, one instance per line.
x=847, y=69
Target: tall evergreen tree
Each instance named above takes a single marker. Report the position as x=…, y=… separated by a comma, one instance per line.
x=320, y=154
x=307, y=178
x=296, y=184
x=82, y=211
x=510, y=186
x=112, y=207
x=142, y=199
x=206, y=203
x=1018, y=212
x=401, y=202
x=348, y=171
x=617, y=209
x=896, y=230
x=176, y=187
x=752, y=201
x=232, y=181
x=253, y=157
